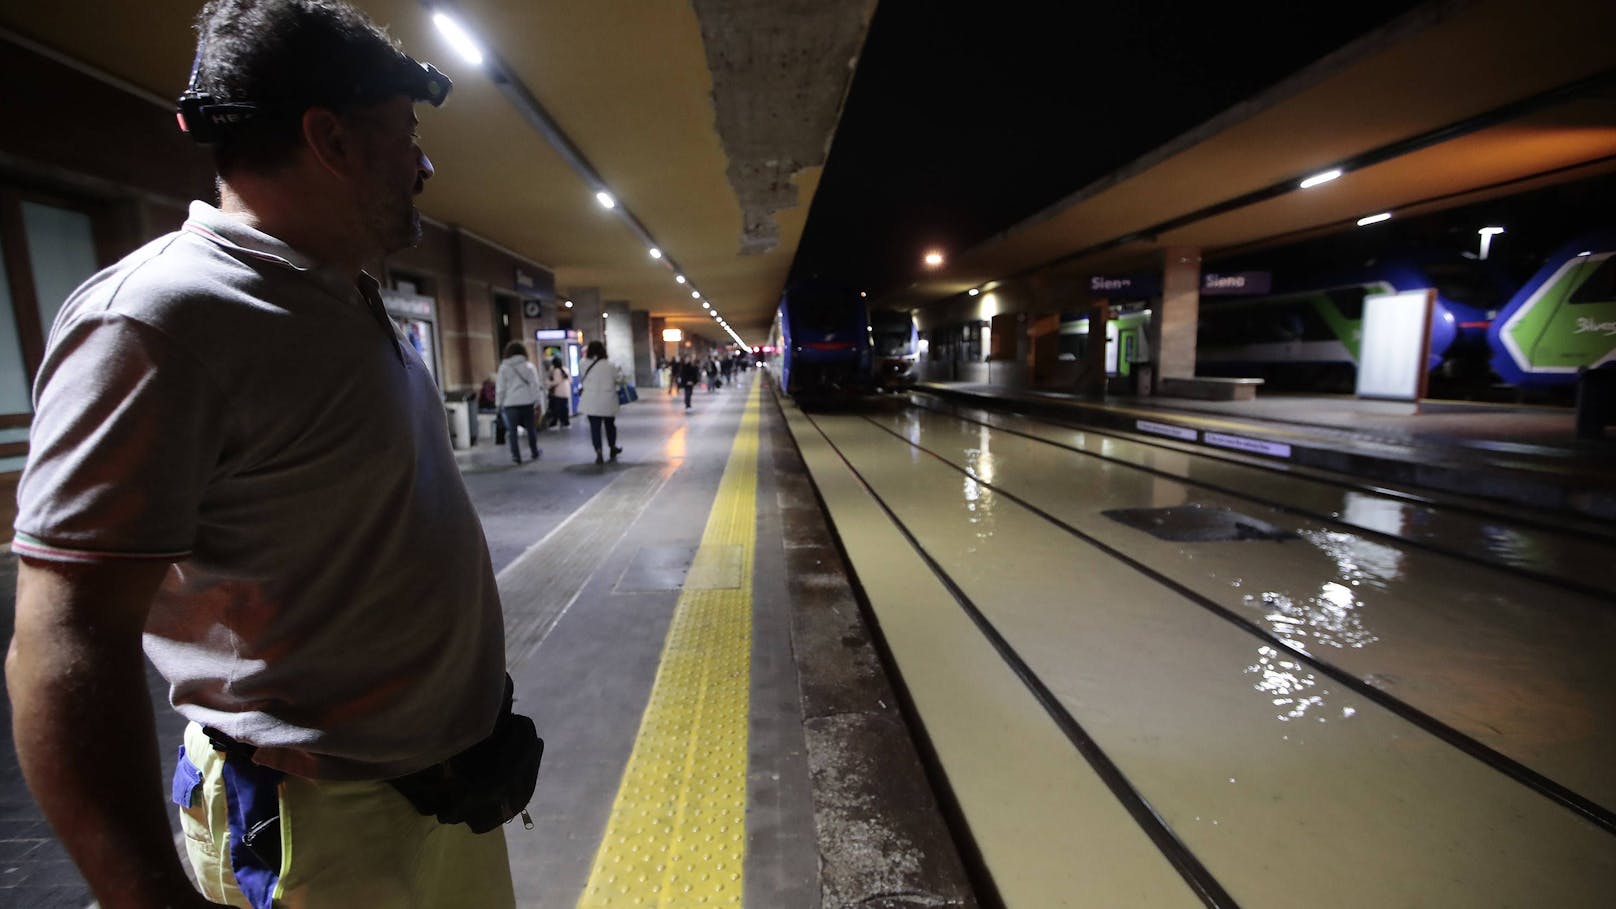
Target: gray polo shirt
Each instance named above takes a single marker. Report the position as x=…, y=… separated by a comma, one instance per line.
x=218, y=401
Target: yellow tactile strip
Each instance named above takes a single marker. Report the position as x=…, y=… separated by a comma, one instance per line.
x=677, y=832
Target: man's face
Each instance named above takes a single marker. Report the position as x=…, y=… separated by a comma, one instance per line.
x=396, y=172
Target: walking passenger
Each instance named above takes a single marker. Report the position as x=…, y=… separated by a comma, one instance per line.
x=598, y=398
x=560, y=386
x=689, y=375
x=295, y=545
x=517, y=392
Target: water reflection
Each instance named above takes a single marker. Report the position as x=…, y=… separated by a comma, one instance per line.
x=1291, y=687
x=979, y=471
x=1513, y=547
x=1360, y=561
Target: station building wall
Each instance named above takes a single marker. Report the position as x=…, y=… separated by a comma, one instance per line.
x=91, y=168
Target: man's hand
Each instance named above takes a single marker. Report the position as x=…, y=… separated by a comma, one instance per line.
x=82, y=723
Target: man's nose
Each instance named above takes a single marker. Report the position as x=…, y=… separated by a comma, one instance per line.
x=424, y=166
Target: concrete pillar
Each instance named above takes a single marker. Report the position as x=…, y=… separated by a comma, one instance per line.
x=586, y=309
x=1091, y=379
x=644, y=348
x=1007, y=361
x=617, y=330
x=1172, y=326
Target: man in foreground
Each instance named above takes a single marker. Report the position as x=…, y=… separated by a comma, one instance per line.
x=236, y=457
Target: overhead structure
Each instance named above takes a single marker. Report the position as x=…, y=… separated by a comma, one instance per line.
x=1452, y=104
x=681, y=115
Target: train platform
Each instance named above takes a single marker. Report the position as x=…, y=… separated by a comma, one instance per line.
x=719, y=731
x=920, y=652
x=1520, y=455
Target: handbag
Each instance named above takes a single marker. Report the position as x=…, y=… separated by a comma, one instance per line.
x=622, y=395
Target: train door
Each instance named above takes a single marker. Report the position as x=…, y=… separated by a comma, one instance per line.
x=1111, y=333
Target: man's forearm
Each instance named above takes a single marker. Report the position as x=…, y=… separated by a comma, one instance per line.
x=82, y=723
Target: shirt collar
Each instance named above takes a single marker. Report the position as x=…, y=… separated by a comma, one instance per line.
x=235, y=235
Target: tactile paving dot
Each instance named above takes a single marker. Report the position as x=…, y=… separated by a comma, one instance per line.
x=669, y=835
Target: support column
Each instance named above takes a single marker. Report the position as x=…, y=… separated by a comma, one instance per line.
x=1091, y=378
x=1173, y=325
x=586, y=310
x=645, y=347
x=617, y=329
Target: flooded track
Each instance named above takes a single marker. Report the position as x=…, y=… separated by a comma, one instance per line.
x=1405, y=700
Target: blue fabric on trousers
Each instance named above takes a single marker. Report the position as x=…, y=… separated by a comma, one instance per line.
x=611, y=430
x=252, y=793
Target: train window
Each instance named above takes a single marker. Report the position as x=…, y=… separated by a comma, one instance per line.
x=1600, y=286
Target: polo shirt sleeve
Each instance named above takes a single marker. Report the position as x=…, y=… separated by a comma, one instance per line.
x=128, y=430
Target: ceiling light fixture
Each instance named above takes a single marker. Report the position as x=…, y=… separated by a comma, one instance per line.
x=569, y=304
x=1316, y=179
x=656, y=253
x=973, y=291
x=605, y=199
x=705, y=305
x=933, y=259
x=458, y=38
x=1487, y=234
x=1374, y=219
x=695, y=295
x=679, y=278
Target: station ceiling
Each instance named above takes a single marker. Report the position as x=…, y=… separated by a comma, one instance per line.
x=710, y=120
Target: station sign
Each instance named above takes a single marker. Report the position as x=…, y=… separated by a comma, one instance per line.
x=1233, y=284
x=1136, y=286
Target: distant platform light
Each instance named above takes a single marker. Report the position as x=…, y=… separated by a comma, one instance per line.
x=973, y=291
x=1375, y=219
x=605, y=199
x=673, y=334
x=569, y=304
x=1487, y=234
x=863, y=294
x=679, y=278
x=695, y=295
x=933, y=259
x=604, y=314
x=1316, y=179
x=458, y=38
x=656, y=253
x=706, y=305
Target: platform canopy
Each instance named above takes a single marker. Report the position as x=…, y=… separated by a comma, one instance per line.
x=708, y=120
x=1451, y=104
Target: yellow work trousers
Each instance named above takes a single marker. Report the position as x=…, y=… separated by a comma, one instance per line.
x=345, y=845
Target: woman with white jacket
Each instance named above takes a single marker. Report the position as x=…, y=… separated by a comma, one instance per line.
x=517, y=389
x=597, y=399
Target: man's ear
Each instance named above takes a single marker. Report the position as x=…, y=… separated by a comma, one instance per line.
x=331, y=140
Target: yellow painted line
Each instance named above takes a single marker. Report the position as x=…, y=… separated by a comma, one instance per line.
x=677, y=832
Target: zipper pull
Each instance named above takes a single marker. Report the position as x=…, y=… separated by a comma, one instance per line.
x=527, y=819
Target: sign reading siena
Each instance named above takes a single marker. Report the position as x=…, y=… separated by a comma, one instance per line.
x=1144, y=285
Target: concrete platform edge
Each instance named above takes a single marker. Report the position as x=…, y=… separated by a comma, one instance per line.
x=873, y=795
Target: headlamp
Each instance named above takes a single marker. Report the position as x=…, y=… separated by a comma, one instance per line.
x=207, y=119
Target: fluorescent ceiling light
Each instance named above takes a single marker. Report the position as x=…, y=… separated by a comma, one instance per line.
x=679, y=278
x=973, y=291
x=656, y=253
x=933, y=259
x=458, y=38
x=704, y=305
x=1490, y=231
x=605, y=199
x=695, y=295
x=1374, y=219
x=569, y=304
x=1316, y=179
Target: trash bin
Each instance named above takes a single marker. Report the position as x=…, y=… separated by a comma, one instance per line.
x=462, y=426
